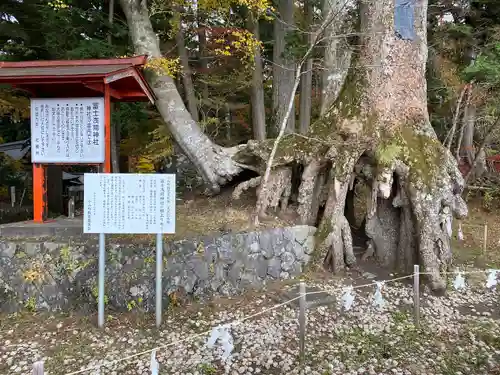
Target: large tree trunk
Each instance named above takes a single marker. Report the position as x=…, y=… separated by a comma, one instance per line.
x=468, y=137
x=115, y=148
x=475, y=158
x=214, y=163
x=376, y=127
x=283, y=66
x=307, y=74
x=257, y=93
x=202, y=38
x=338, y=52
x=186, y=75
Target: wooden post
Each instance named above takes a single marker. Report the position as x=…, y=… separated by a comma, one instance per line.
x=39, y=194
x=416, y=295
x=38, y=368
x=485, y=238
x=107, y=129
x=154, y=365
x=71, y=207
x=302, y=323
x=13, y=195
x=54, y=189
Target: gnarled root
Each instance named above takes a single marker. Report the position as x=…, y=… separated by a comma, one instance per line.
x=278, y=189
x=334, y=233
x=408, y=223
x=252, y=183
x=309, y=193
x=432, y=212
x=383, y=230
x=340, y=245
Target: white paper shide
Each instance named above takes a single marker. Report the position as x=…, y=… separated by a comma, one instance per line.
x=67, y=130
x=129, y=203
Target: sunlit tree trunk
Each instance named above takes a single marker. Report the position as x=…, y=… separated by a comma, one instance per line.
x=257, y=90
x=307, y=74
x=214, y=163
x=283, y=65
x=186, y=75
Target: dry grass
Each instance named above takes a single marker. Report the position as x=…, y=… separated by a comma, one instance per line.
x=471, y=249
x=207, y=216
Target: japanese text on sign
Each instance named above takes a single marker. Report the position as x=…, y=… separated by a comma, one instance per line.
x=67, y=130
x=129, y=203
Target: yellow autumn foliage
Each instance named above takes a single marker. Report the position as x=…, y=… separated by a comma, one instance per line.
x=164, y=65
x=259, y=7
x=58, y=4
x=145, y=164
x=245, y=44
x=14, y=106
x=4, y=192
x=449, y=73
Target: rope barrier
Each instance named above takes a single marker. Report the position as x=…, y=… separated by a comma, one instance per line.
x=239, y=321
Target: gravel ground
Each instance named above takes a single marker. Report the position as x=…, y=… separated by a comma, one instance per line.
x=459, y=334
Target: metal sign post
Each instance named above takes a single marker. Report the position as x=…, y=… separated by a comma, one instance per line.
x=102, y=270
x=159, y=271
x=129, y=203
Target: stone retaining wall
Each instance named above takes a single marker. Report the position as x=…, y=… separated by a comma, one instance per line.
x=54, y=276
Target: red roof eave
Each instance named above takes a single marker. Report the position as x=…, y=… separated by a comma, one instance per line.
x=108, y=77
x=128, y=61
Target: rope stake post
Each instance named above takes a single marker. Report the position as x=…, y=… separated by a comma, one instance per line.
x=102, y=270
x=302, y=322
x=416, y=295
x=38, y=368
x=159, y=271
x=485, y=238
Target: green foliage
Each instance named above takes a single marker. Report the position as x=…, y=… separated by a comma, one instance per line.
x=207, y=369
x=11, y=174
x=30, y=304
x=95, y=293
x=133, y=304
x=486, y=69
x=295, y=45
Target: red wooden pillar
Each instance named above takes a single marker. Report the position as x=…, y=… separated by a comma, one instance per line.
x=39, y=193
x=107, y=129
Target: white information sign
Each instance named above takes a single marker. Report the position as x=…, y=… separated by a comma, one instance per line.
x=129, y=203
x=67, y=130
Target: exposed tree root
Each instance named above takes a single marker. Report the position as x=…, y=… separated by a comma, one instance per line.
x=278, y=190
x=252, y=183
x=407, y=223
x=377, y=131
x=309, y=192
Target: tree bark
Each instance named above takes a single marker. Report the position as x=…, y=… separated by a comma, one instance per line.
x=214, y=163
x=115, y=132
x=202, y=45
x=115, y=148
x=111, y=13
x=283, y=66
x=307, y=73
x=467, y=149
x=467, y=107
x=257, y=90
x=338, y=52
x=187, y=75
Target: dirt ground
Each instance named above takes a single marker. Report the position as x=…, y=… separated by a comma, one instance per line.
x=69, y=342
x=198, y=215
x=471, y=250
